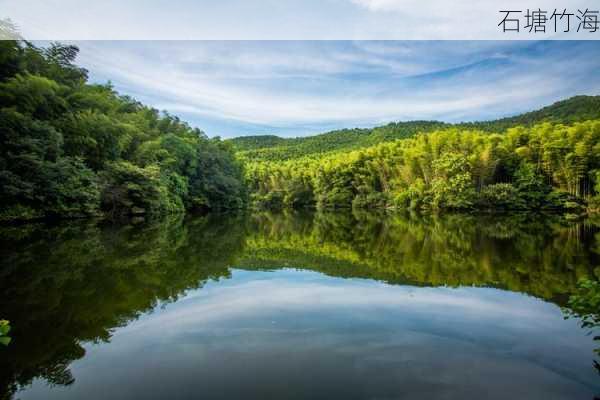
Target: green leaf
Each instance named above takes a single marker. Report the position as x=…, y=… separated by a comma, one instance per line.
x=4, y=327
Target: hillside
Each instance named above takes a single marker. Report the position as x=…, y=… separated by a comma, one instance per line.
x=70, y=148
x=274, y=148
x=574, y=109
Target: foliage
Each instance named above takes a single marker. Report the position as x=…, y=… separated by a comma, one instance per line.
x=584, y=304
x=274, y=148
x=131, y=190
x=217, y=183
x=544, y=166
x=501, y=196
x=594, y=202
x=72, y=149
x=4, y=330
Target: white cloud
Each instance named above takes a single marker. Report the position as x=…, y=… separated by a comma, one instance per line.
x=383, y=5
x=270, y=19
x=288, y=84
x=229, y=301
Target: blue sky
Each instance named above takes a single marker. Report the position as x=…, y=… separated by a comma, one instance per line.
x=296, y=88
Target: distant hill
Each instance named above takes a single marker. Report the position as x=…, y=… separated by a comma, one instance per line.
x=274, y=148
x=578, y=108
x=258, y=142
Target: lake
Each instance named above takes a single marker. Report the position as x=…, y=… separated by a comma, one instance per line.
x=349, y=305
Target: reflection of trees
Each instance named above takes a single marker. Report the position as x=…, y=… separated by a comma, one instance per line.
x=70, y=284
x=544, y=256
x=584, y=305
x=73, y=283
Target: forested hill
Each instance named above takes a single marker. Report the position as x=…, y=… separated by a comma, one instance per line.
x=73, y=149
x=274, y=148
x=574, y=109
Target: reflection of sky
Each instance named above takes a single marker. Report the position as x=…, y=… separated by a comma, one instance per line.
x=296, y=334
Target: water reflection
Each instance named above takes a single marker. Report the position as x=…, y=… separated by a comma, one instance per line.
x=540, y=255
x=67, y=286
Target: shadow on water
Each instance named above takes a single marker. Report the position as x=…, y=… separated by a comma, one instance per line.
x=68, y=284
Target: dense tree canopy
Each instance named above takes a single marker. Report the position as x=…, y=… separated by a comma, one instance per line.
x=547, y=165
x=69, y=148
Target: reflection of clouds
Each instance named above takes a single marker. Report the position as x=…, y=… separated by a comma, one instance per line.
x=272, y=334
x=232, y=300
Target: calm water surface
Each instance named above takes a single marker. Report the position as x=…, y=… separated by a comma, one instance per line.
x=298, y=306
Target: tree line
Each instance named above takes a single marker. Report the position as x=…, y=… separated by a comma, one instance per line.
x=69, y=148
x=544, y=166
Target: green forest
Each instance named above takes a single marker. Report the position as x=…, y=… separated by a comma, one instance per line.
x=69, y=148
x=547, y=165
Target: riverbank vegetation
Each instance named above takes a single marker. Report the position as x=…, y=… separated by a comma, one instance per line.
x=584, y=305
x=69, y=148
x=4, y=330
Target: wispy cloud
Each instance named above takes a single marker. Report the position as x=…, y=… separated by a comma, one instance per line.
x=231, y=300
x=316, y=334
x=237, y=88
x=268, y=19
